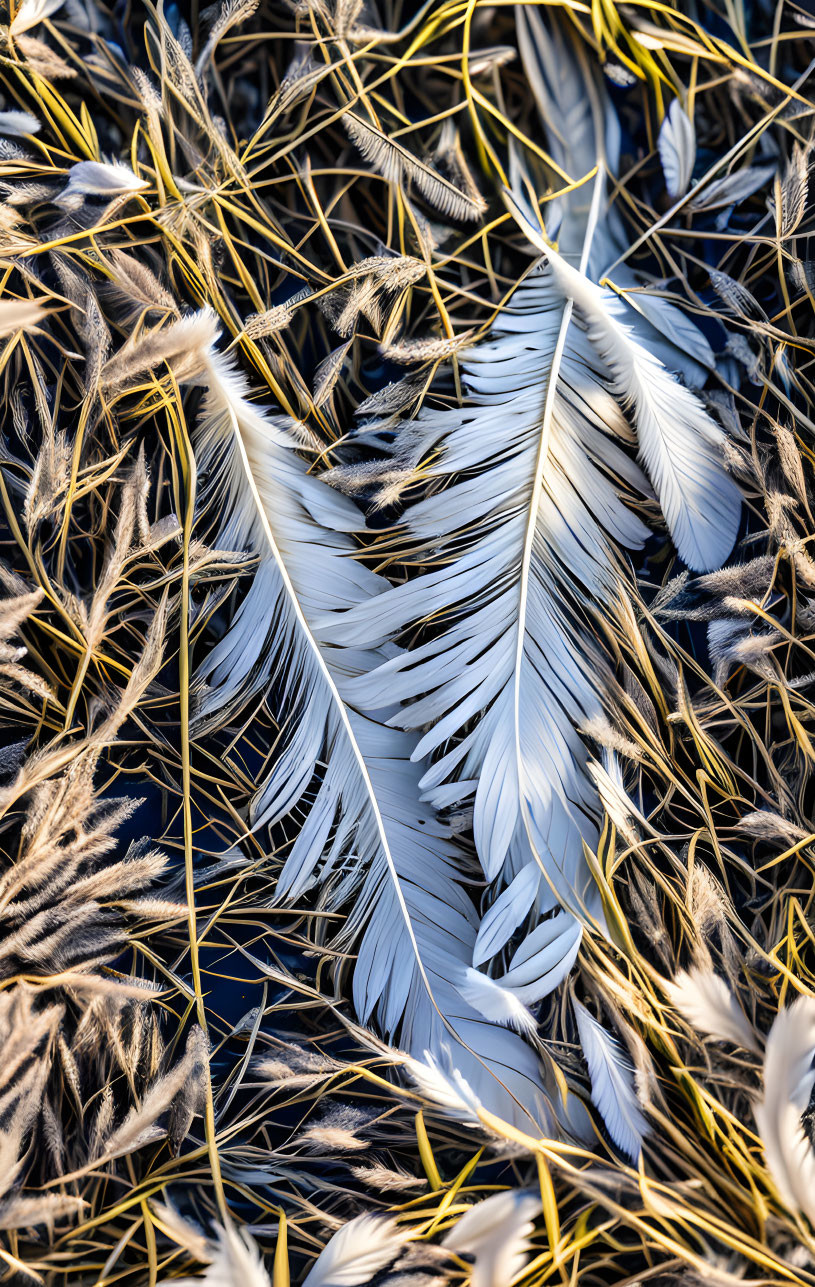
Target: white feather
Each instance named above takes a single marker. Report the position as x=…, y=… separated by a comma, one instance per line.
x=97, y=178
x=438, y=1079
x=496, y=1003
x=613, y=1090
x=789, y=1077
x=526, y=539
x=366, y=844
x=18, y=124
x=705, y=1000
x=356, y=1252
x=496, y=1233
x=31, y=13
x=236, y=1262
x=544, y=958
x=679, y=444
x=733, y=188
x=507, y=912
x=677, y=149
x=515, y=671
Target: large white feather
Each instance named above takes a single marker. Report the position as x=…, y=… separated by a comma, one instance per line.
x=789, y=1078
x=365, y=843
x=613, y=1090
x=495, y=1233
x=526, y=540
x=500, y=692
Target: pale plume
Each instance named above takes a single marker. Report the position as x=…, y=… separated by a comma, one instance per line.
x=495, y=1233
x=235, y=1261
x=613, y=1084
x=31, y=13
x=789, y=1077
x=356, y=1252
x=706, y=1002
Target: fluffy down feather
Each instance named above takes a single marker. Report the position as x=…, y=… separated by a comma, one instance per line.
x=236, y=1262
x=705, y=1000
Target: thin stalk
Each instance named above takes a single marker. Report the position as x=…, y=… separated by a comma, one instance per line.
x=187, y=480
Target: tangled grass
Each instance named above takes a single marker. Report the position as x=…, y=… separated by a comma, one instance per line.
x=186, y=1088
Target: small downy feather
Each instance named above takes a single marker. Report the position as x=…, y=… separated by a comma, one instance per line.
x=677, y=149
x=613, y=1090
x=232, y=12
x=499, y=1004
x=792, y=193
x=101, y=179
x=328, y=372
x=236, y=1262
x=706, y=1002
x=443, y=1085
x=789, y=1078
x=18, y=124
x=397, y=164
x=357, y=1251
x=495, y=1233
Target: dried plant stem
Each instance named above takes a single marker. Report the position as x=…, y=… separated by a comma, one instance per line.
x=186, y=492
